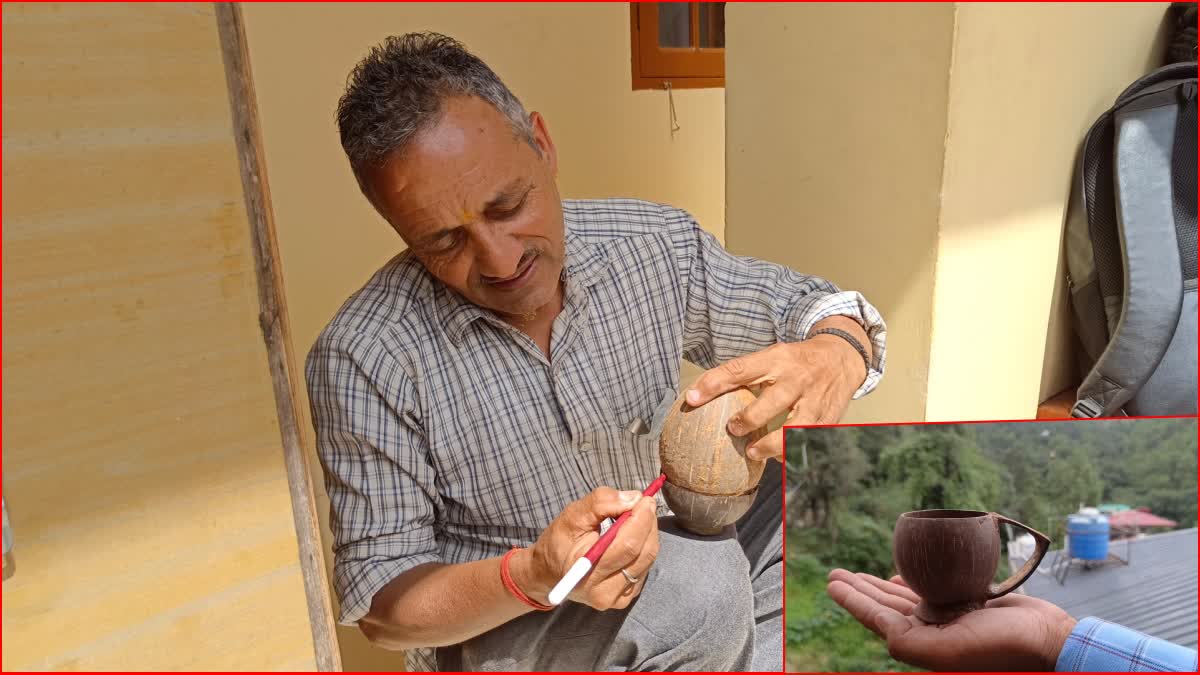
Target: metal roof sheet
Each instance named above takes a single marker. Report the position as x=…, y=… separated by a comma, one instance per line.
x=1155, y=593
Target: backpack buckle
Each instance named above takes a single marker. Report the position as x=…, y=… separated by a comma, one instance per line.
x=1086, y=408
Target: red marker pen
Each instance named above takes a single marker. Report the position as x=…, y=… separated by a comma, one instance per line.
x=584, y=565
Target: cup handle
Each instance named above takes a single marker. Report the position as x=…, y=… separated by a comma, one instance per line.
x=1026, y=571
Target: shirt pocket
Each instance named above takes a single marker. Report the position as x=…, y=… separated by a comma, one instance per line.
x=626, y=460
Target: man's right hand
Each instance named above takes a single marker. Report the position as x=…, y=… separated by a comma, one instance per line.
x=537, y=569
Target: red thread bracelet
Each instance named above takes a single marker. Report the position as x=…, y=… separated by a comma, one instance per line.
x=511, y=585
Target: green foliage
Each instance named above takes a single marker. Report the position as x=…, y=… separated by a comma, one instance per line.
x=940, y=468
x=864, y=545
x=1160, y=470
x=1055, y=467
x=821, y=635
x=848, y=485
x=828, y=466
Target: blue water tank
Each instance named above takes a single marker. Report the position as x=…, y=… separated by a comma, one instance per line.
x=1087, y=535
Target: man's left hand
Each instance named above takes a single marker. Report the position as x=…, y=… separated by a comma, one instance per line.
x=812, y=381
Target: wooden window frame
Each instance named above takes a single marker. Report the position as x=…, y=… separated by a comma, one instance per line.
x=684, y=68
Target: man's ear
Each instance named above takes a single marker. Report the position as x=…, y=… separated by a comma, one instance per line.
x=543, y=142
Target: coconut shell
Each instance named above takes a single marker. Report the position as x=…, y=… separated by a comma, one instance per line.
x=706, y=514
x=710, y=481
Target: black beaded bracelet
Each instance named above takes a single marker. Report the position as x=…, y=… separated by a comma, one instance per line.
x=848, y=338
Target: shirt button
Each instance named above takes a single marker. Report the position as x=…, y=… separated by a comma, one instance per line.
x=585, y=447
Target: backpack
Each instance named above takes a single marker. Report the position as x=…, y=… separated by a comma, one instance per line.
x=1130, y=245
x=1181, y=32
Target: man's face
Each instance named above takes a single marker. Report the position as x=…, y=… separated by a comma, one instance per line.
x=479, y=207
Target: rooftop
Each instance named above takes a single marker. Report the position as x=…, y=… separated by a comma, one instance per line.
x=1155, y=593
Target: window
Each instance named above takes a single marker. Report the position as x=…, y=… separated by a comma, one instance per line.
x=678, y=42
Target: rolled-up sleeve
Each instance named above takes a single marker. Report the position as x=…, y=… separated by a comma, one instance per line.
x=383, y=503
x=737, y=305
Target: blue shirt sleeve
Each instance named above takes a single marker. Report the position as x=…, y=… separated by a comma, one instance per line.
x=1100, y=646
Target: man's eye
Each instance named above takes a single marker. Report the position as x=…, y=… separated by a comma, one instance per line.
x=446, y=244
x=505, y=214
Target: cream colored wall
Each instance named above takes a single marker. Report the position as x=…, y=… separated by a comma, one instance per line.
x=922, y=154
x=142, y=463
x=1027, y=82
x=836, y=115
x=571, y=62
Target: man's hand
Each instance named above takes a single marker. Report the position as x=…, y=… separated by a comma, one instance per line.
x=1012, y=633
x=812, y=381
x=570, y=535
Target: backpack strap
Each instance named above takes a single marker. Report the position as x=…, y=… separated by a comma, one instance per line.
x=1175, y=71
x=1153, y=288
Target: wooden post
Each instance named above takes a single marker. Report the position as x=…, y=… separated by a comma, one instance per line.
x=273, y=320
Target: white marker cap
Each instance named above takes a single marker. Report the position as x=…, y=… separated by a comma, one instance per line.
x=570, y=580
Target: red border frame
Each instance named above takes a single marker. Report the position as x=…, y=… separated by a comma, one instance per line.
x=783, y=472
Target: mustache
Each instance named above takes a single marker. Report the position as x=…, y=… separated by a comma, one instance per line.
x=526, y=258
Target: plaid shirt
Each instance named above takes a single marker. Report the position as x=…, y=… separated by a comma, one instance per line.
x=447, y=436
x=1100, y=646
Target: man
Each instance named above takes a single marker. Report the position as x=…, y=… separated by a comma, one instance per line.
x=1014, y=633
x=484, y=402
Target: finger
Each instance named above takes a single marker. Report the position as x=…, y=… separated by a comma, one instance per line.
x=774, y=401
x=617, y=586
x=899, y=581
x=840, y=574
x=806, y=411
x=768, y=446
x=627, y=546
x=625, y=594
x=893, y=589
x=872, y=615
x=739, y=372
x=645, y=560
x=816, y=410
x=866, y=584
x=585, y=515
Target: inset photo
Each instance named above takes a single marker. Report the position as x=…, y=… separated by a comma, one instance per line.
x=1018, y=546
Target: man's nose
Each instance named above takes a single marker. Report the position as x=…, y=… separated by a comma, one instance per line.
x=498, y=255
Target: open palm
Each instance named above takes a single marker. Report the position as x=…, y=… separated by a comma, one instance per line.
x=1015, y=632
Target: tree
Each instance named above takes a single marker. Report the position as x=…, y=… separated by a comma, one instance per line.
x=1057, y=466
x=824, y=466
x=941, y=468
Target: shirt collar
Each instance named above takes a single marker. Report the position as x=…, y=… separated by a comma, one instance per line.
x=584, y=263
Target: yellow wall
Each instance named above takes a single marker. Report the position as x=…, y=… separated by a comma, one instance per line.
x=1028, y=80
x=922, y=154
x=142, y=464
x=836, y=116
x=570, y=62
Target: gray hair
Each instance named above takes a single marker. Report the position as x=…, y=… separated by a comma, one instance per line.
x=399, y=88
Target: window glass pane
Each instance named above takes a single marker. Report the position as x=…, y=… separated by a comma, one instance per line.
x=674, y=24
x=712, y=24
